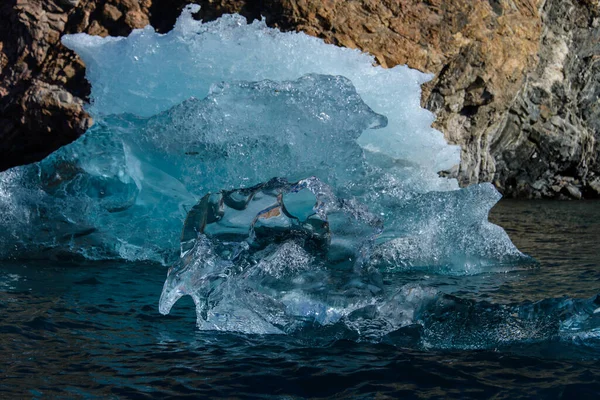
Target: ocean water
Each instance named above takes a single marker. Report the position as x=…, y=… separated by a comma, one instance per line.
x=93, y=330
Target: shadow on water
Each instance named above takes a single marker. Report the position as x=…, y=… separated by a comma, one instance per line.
x=94, y=331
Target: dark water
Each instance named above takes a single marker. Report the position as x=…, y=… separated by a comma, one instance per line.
x=94, y=331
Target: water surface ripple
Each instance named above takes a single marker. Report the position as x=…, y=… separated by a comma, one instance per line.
x=94, y=331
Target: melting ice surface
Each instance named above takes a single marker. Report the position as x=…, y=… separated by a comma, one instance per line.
x=299, y=173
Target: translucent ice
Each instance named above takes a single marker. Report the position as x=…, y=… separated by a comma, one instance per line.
x=192, y=127
x=147, y=73
x=260, y=260
x=282, y=257
x=279, y=255
x=123, y=189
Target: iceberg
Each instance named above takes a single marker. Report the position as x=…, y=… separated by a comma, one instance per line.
x=279, y=176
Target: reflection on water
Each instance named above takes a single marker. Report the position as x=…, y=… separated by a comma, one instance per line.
x=95, y=331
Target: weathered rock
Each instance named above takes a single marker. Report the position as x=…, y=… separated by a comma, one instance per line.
x=42, y=85
x=553, y=124
x=516, y=81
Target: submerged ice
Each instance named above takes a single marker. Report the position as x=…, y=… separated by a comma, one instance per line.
x=259, y=260
x=286, y=181
x=282, y=257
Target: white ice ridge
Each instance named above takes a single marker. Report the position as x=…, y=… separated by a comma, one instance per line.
x=149, y=72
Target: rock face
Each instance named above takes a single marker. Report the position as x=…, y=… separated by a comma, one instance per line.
x=42, y=84
x=516, y=81
x=541, y=143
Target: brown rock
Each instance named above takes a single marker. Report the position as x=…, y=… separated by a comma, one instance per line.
x=136, y=19
x=111, y=12
x=42, y=85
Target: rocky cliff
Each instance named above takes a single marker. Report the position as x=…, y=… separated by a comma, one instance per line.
x=516, y=82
